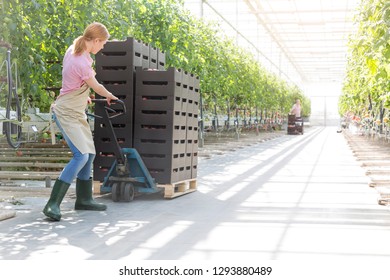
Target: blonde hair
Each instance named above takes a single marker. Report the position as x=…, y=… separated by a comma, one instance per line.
x=93, y=31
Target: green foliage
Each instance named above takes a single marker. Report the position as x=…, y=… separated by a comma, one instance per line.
x=42, y=30
x=367, y=83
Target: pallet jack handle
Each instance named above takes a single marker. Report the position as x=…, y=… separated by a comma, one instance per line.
x=115, y=113
x=110, y=113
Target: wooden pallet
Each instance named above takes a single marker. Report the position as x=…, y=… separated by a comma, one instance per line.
x=170, y=190
x=96, y=187
x=179, y=188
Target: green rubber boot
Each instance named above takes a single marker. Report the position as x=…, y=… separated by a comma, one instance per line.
x=52, y=208
x=84, y=200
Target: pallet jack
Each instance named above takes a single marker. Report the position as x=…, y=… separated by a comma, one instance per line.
x=128, y=174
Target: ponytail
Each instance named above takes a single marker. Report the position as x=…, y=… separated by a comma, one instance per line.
x=79, y=45
x=93, y=31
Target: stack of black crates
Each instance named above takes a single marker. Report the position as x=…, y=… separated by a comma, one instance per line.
x=294, y=125
x=161, y=122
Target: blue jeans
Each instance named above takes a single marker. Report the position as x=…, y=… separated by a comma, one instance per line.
x=79, y=166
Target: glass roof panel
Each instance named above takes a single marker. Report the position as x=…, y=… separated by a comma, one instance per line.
x=303, y=41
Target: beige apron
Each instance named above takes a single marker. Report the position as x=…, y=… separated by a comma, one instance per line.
x=70, y=112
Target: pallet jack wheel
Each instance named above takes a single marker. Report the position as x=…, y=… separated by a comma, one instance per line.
x=115, y=192
x=122, y=191
x=127, y=192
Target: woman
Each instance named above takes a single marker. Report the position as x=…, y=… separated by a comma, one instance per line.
x=78, y=77
x=296, y=109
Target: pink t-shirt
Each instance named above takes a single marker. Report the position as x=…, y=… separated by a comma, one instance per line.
x=296, y=109
x=75, y=70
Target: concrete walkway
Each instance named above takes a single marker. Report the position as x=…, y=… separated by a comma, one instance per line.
x=294, y=197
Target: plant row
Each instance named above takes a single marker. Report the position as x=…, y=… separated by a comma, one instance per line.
x=231, y=78
x=366, y=91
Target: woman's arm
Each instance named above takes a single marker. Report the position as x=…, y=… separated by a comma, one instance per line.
x=100, y=89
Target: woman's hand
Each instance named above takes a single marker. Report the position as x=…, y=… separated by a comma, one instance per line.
x=100, y=89
x=110, y=98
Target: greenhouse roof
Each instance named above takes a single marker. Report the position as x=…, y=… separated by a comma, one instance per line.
x=303, y=41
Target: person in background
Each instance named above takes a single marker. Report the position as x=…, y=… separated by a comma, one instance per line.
x=68, y=112
x=296, y=109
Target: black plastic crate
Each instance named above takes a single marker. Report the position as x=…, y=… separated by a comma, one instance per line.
x=192, y=132
x=122, y=130
x=191, y=120
x=186, y=174
x=163, y=131
x=159, y=117
x=107, y=144
x=194, y=165
x=124, y=88
x=150, y=101
x=104, y=147
x=145, y=50
x=196, y=83
x=170, y=75
x=164, y=168
x=127, y=101
x=153, y=52
x=100, y=169
x=192, y=107
x=185, y=78
x=184, y=91
x=193, y=94
x=160, y=60
x=195, y=146
x=102, y=164
x=188, y=159
x=183, y=106
x=105, y=151
x=120, y=53
x=123, y=122
x=191, y=146
x=119, y=83
x=152, y=63
x=105, y=159
x=166, y=88
x=191, y=79
x=145, y=55
x=153, y=57
x=156, y=146
x=115, y=75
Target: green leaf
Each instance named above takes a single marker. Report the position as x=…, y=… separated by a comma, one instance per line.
x=372, y=65
x=142, y=9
